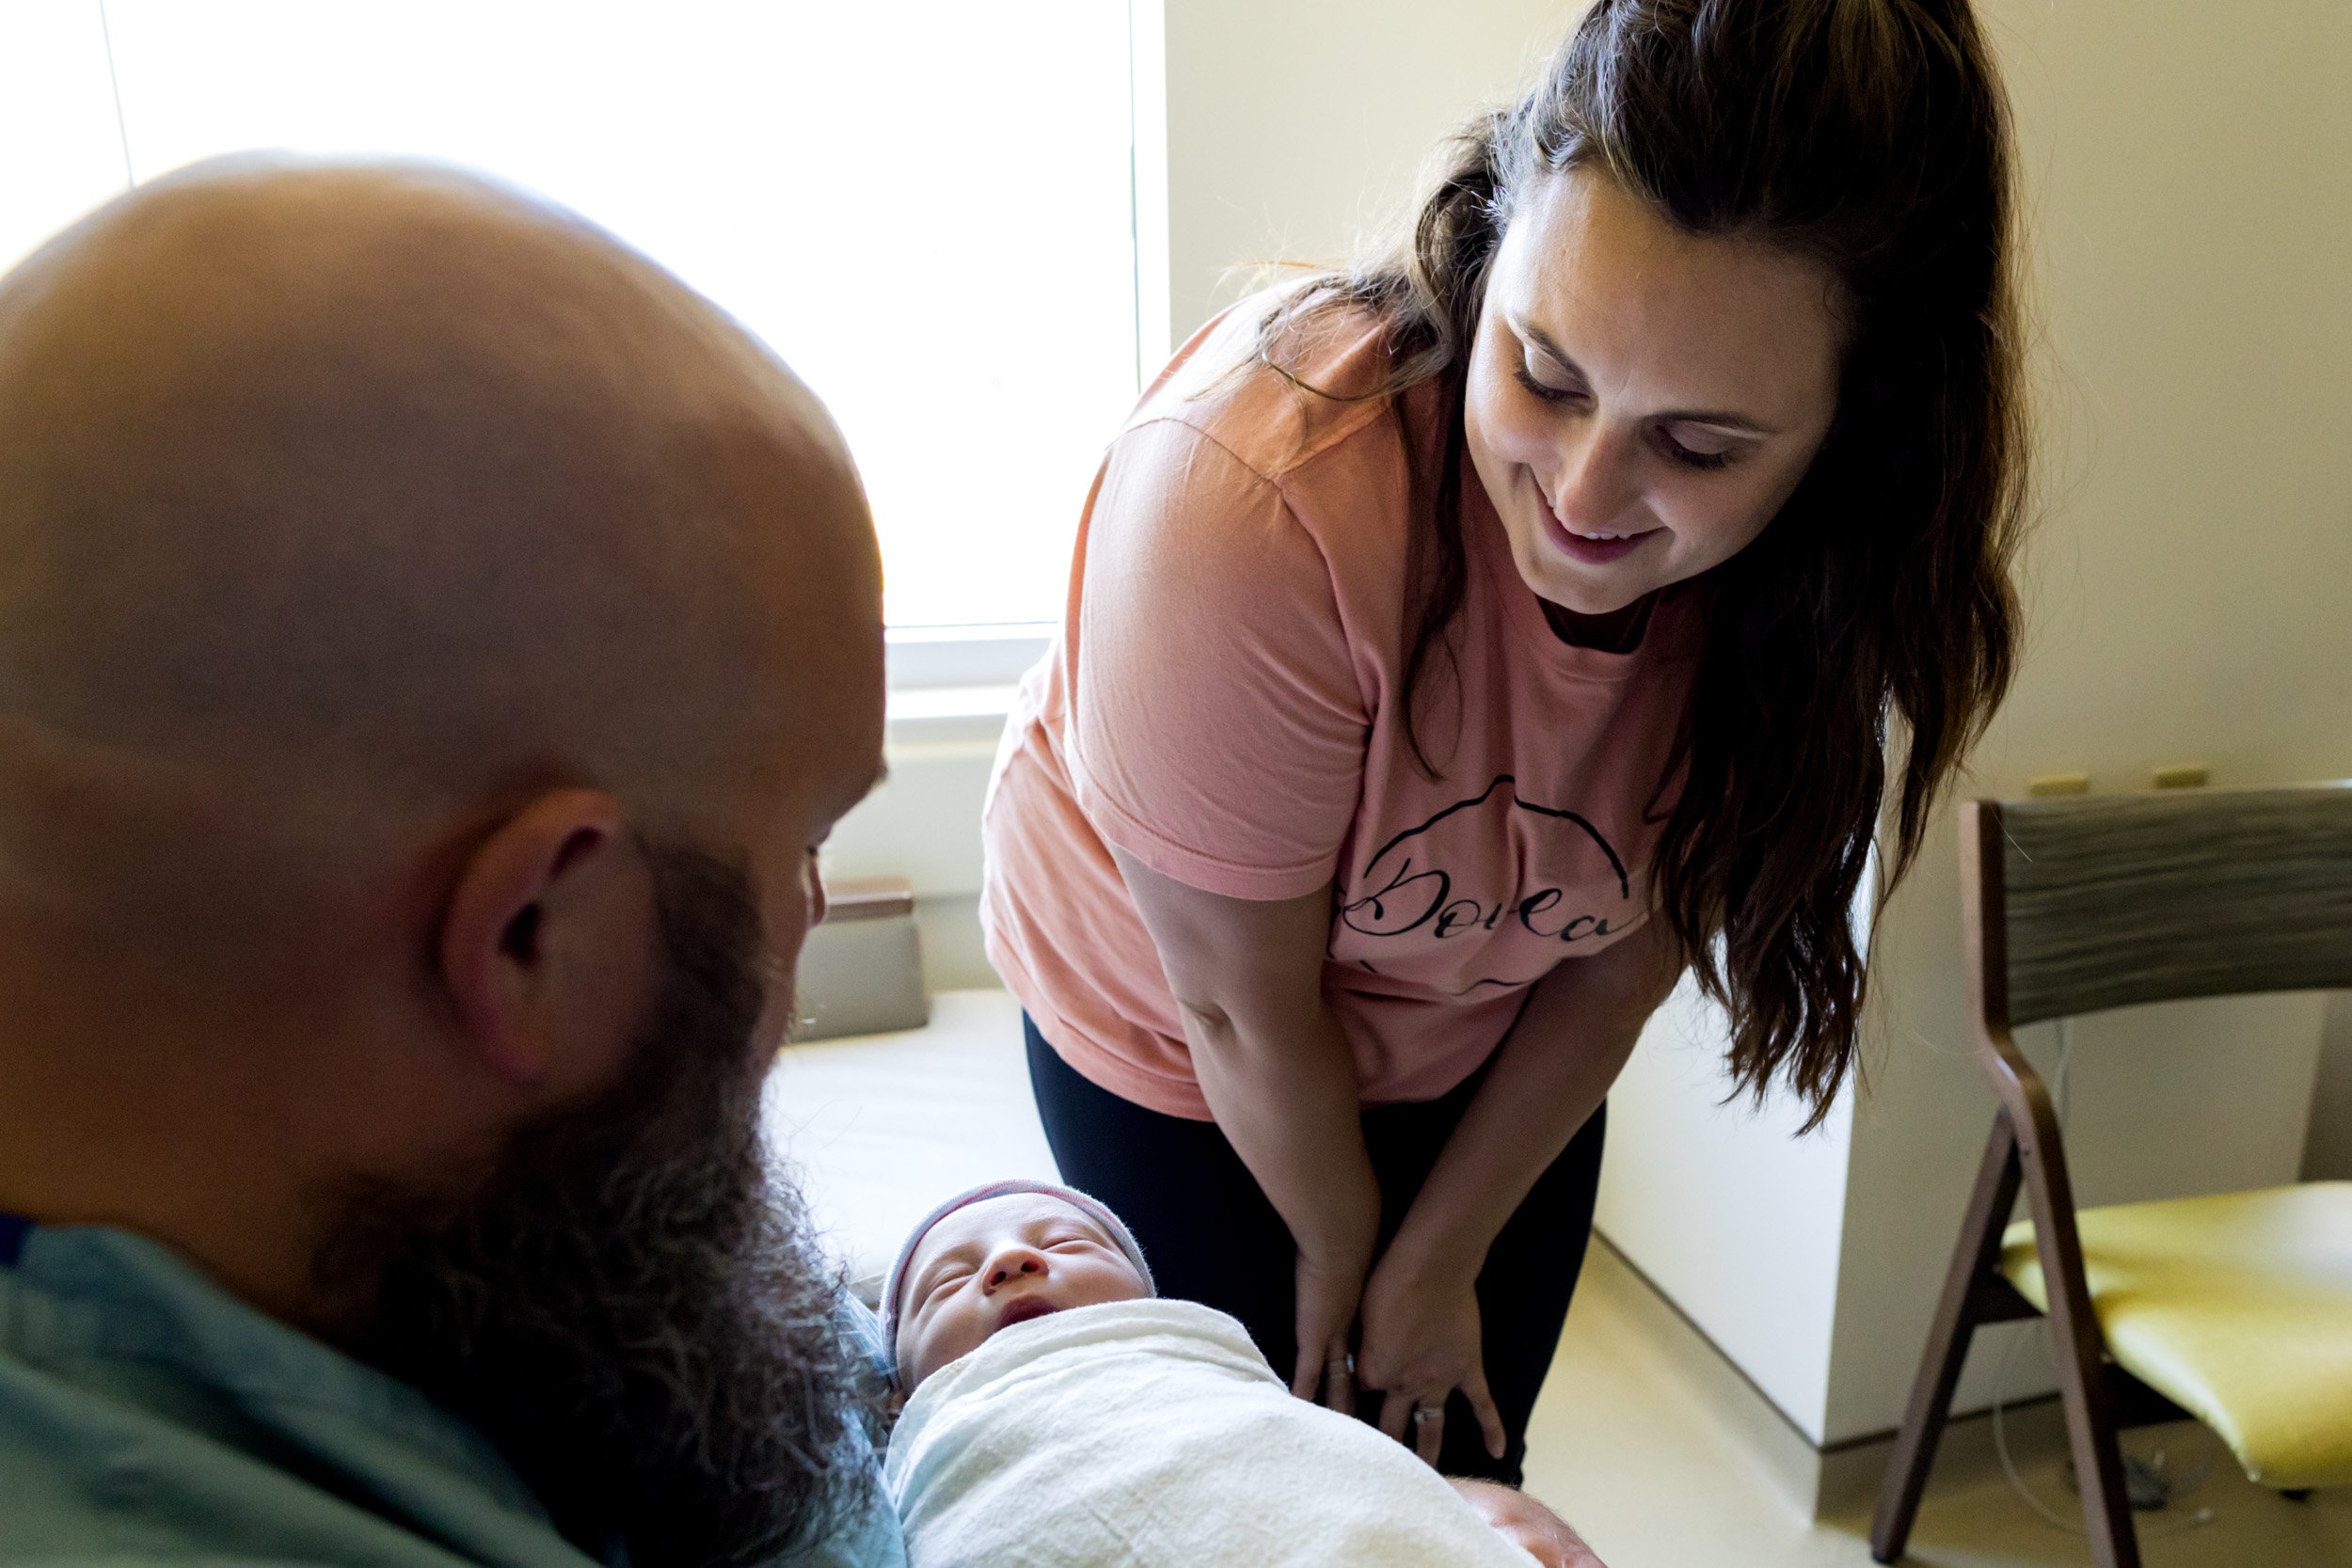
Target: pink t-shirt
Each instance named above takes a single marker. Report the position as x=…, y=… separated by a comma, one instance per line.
x=1225, y=703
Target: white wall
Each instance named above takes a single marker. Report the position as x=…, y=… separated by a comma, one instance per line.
x=2328, y=1155
x=63, y=152
x=1296, y=128
x=1722, y=1206
x=2187, y=183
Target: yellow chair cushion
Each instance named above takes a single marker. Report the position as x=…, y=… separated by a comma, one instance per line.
x=2237, y=1307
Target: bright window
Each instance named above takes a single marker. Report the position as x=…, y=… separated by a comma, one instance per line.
x=925, y=207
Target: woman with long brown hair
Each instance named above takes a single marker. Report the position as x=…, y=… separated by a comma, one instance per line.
x=1461, y=647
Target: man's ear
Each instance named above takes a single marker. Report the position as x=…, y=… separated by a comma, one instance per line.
x=547, y=940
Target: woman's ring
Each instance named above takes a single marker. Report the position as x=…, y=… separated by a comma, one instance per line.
x=1427, y=1413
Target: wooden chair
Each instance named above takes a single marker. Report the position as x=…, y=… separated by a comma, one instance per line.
x=2075, y=905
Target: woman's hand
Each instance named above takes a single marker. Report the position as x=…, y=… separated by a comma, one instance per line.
x=1527, y=1524
x=1421, y=1341
x=1329, y=1295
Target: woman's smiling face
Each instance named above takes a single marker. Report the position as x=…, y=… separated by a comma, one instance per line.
x=1640, y=401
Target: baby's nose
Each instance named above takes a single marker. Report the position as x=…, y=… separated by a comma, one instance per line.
x=1013, y=1265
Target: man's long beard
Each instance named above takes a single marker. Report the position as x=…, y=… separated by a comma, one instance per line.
x=634, y=1309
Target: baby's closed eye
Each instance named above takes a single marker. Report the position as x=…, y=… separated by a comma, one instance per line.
x=944, y=1281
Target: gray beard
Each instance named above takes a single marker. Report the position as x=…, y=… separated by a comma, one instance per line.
x=634, y=1308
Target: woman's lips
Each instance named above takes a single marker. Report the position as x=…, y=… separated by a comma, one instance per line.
x=1023, y=1310
x=1591, y=552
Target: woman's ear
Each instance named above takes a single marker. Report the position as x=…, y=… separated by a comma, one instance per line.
x=547, y=942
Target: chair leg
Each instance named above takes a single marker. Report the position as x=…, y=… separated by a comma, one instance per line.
x=2098, y=1458
x=1955, y=1326
x=2081, y=1354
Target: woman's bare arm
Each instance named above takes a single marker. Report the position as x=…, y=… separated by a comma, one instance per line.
x=1551, y=1072
x=1279, y=1078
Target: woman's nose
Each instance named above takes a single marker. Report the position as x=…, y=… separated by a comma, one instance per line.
x=1593, y=486
x=1013, y=1263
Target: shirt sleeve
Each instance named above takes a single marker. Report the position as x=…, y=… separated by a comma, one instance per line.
x=1217, y=728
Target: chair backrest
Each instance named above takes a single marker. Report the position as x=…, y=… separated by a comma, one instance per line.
x=2082, y=903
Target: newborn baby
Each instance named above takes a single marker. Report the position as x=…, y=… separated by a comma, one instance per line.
x=1059, y=1414
x=1055, y=1248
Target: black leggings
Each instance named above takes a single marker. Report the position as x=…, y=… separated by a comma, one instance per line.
x=1212, y=1236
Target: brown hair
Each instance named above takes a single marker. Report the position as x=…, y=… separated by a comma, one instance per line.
x=1873, y=136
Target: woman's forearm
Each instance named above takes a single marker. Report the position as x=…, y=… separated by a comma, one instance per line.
x=1548, y=1076
x=1284, y=1093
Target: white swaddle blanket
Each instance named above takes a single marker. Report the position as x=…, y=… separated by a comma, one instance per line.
x=1153, y=1433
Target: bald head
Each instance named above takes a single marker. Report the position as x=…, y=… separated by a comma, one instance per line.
x=341, y=507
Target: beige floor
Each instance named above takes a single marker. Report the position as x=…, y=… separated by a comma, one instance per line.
x=1627, y=1444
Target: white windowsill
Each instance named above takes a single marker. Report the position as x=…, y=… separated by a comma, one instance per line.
x=952, y=685
x=965, y=656
x=945, y=714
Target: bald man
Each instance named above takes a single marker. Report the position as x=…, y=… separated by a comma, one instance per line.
x=432, y=642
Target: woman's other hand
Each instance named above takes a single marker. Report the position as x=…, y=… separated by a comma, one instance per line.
x=1421, y=1341
x=1329, y=1295
x=1527, y=1524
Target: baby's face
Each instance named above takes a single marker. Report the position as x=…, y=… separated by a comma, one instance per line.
x=1002, y=1262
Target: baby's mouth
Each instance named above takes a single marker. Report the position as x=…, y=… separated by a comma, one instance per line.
x=1023, y=1310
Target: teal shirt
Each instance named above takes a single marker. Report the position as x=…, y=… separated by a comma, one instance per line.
x=145, y=1414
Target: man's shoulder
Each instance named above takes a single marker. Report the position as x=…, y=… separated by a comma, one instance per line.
x=145, y=1417
x=862, y=1331
x=868, y=1534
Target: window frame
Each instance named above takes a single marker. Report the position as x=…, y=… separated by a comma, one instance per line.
x=954, y=684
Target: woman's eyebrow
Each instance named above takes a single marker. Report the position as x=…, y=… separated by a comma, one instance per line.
x=1717, y=418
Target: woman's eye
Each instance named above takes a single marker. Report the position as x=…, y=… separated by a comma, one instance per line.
x=1689, y=458
x=1549, y=395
